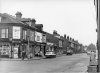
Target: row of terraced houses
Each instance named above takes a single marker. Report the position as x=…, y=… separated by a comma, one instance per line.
x=17, y=34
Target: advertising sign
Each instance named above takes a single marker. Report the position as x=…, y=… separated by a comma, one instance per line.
x=48, y=43
x=38, y=37
x=16, y=32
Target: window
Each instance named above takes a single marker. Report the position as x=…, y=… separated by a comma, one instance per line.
x=44, y=38
x=38, y=38
x=60, y=43
x=32, y=35
x=0, y=19
x=72, y=45
x=4, y=33
x=24, y=34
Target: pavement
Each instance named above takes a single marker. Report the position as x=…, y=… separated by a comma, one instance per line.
x=92, y=68
x=19, y=59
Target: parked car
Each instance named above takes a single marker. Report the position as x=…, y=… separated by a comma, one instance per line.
x=88, y=52
x=69, y=52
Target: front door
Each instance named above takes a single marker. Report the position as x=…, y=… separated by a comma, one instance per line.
x=16, y=51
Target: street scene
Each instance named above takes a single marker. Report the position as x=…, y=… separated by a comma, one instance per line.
x=49, y=36
x=76, y=63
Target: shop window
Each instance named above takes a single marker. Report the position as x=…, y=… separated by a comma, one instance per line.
x=4, y=49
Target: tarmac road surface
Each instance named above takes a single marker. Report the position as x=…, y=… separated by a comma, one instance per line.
x=76, y=63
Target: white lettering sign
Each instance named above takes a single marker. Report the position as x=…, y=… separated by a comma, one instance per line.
x=38, y=37
x=16, y=32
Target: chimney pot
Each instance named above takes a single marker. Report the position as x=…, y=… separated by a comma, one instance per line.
x=18, y=15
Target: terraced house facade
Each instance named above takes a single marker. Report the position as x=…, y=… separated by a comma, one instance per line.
x=17, y=34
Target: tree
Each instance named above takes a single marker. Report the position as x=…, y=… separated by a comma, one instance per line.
x=91, y=47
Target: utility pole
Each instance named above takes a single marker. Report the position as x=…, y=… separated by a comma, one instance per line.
x=97, y=5
x=98, y=33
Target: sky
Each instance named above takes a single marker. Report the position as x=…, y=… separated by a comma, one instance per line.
x=75, y=18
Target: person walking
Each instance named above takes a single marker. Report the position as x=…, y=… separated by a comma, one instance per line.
x=23, y=54
x=92, y=56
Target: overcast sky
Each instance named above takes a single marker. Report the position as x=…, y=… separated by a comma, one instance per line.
x=75, y=18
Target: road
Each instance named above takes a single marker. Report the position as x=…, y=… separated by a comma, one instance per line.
x=76, y=63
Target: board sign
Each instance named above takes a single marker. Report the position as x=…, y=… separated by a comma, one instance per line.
x=16, y=32
x=38, y=37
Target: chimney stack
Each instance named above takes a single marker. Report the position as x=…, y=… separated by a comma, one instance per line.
x=33, y=21
x=67, y=37
x=64, y=36
x=54, y=32
x=18, y=15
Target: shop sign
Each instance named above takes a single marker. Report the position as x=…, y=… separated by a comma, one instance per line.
x=16, y=32
x=38, y=37
x=48, y=43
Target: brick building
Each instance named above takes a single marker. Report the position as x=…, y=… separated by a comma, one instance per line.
x=17, y=34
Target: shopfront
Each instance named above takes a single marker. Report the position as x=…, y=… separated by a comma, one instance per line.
x=5, y=49
x=39, y=46
x=16, y=45
x=15, y=51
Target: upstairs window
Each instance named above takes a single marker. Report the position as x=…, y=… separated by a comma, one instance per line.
x=4, y=33
x=0, y=19
x=44, y=38
x=60, y=43
x=24, y=34
x=38, y=38
x=32, y=35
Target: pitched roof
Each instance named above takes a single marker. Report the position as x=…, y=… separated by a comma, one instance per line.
x=51, y=38
x=21, y=21
x=12, y=18
x=25, y=19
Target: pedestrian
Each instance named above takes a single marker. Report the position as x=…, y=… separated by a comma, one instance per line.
x=29, y=55
x=92, y=56
x=23, y=54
